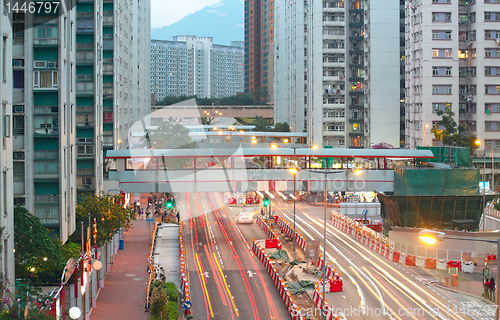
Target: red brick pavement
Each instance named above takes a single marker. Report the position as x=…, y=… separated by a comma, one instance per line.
x=124, y=292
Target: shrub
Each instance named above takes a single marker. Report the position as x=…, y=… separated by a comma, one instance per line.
x=172, y=311
x=171, y=291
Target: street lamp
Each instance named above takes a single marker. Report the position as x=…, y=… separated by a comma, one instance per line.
x=431, y=236
x=425, y=129
x=478, y=143
x=294, y=171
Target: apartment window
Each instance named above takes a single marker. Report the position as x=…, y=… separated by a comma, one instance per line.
x=492, y=16
x=4, y=59
x=441, y=89
x=441, y=53
x=492, y=126
x=441, y=16
x=46, y=124
x=45, y=79
x=491, y=89
x=487, y=71
x=4, y=195
x=18, y=79
x=492, y=107
x=48, y=215
x=441, y=71
x=447, y=71
x=46, y=166
x=6, y=124
x=440, y=107
x=18, y=124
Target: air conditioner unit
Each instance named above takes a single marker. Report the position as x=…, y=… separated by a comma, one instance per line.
x=18, y=156
x=18, y=63
x=52, y=64
x=19, y=17
x=463, y=97
x=18, y=109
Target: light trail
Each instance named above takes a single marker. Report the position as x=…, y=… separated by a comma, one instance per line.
x=269, y=300
x=204, y=285
x=225, y=284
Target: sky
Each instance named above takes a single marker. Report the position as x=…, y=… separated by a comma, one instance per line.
x=166, y=12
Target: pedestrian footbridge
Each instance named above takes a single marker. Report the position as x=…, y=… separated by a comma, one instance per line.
x=258, y=169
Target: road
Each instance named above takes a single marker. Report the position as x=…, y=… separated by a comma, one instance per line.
x=377, y=283
x=226, y=280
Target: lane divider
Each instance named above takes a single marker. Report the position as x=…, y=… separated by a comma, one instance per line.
x=286, y=228
x=380, y=244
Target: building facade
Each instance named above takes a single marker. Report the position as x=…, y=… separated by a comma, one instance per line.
x=80, y=80
x=452, y=51
x=337, y=71
x=6, y=169
x=259, y=45
x=190, y=66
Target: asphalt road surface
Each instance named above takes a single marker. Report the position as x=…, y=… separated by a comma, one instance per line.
x=376, y=283
x=226, y=280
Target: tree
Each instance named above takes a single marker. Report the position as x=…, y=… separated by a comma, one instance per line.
x=261, y=124
x=169, y=135
x=281, y=127
x=38, y=258
x=382, y=145
x=109, y=213
x=449, y=133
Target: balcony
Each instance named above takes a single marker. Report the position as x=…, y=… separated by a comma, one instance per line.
x=41, y=42
x=356, y=65
x=356, y=51
x=356, y=93
x=356, y=106
x=356, y=79
x=46, y=198
x=357, y=120
x=357, y=134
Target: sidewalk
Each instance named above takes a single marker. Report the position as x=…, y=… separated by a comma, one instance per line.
x=124, y=292
x=468, y=283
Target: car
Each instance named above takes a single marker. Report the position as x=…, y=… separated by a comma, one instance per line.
x=231, y=201
x=245, y=217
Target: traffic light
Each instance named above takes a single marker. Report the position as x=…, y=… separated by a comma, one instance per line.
x=169, y=204
x=266, y=201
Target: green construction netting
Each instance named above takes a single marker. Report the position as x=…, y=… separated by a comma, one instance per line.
x=440, y=212
x=301, y=286
x=279, y=254
x=435, y=182
x=450, y=155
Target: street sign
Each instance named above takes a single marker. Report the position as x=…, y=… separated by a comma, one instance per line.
x=486, y=272
x=187, y=305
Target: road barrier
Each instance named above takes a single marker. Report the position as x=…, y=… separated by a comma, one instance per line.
x=398, y=252
x=183, y=277
x=318, y=302
x=286, y=228
x=278, y=281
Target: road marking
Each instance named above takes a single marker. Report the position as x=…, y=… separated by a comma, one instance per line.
x=227, y=287
x=204, y=286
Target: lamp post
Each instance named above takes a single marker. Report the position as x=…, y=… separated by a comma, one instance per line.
x=294, y=171
x=425, y=129
x=478, y=143
x=432, y=236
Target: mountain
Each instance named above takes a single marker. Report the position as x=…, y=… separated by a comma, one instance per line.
x=223, y=21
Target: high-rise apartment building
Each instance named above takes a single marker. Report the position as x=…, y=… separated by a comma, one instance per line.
x=6, y=173
x=452, y=50
x=259, y=45
x=43, y=132
x=195, y=66
x=80, y=80
x=337, y=71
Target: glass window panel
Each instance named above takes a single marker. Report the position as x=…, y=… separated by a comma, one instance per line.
x=51, y=166
x=39, y=167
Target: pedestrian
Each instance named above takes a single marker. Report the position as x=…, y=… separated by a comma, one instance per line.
x=261, y=211
x=486, y=289
x=491, y=286
x=178, y=217
x=147, y=213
